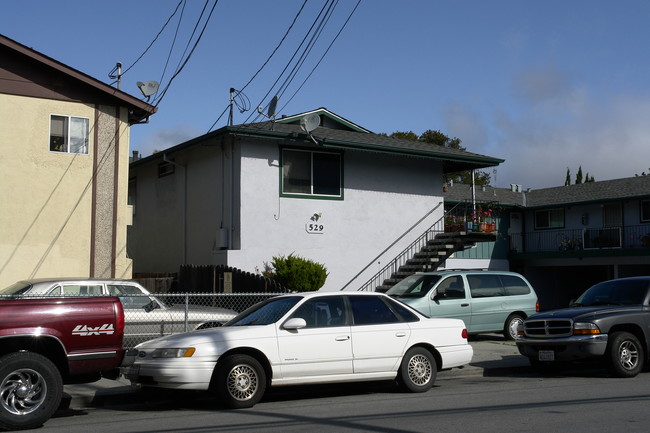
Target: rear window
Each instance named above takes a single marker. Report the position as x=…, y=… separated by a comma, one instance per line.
x=514, y=285
x=16, y=289
x=616, y=292
x=485, y=285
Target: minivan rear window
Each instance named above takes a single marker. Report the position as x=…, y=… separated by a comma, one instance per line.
x=485, y=285
x=514, y=285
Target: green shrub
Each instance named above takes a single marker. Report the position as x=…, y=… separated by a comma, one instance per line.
x=296, y=273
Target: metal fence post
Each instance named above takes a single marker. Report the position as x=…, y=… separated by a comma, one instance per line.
x=187, y=311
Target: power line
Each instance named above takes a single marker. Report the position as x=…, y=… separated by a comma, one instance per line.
x=156, y=38
x=189, y=55
x=323, y=56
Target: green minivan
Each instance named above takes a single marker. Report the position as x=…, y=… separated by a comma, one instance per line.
x=487, y=301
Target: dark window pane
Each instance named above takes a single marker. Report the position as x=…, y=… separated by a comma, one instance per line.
x=370, y=310
x=327, y=174
x=487, y=285
x=296, y=172
x=514, y=285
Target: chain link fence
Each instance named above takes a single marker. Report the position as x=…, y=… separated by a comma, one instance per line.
x=159, y=314
x=155, y=315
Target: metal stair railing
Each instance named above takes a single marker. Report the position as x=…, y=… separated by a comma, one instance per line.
x=390, y=246
x=387, y=271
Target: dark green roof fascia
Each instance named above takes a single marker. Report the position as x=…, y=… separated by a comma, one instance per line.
x=328, y=114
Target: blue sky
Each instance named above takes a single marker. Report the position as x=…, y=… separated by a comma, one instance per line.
x=545, y=85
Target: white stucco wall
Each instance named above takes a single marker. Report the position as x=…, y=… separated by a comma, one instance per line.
x=384, y=196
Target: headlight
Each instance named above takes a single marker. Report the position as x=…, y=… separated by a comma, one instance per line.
x=184, y=352
x=585, y=328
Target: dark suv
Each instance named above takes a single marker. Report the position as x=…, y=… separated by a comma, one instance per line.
x=609, y=322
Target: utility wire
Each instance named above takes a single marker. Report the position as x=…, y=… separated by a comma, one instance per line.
x=154, y=40
x=323, y=56
x=189, y=55
x=316, y=20
x=171, y=48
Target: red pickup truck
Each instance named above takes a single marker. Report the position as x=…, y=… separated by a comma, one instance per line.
x=46, y=342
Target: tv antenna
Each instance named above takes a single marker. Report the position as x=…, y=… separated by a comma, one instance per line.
x=309, y=123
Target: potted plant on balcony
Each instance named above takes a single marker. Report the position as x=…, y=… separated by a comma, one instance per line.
x=645, y=240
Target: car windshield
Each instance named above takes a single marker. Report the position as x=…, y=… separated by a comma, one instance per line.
x=415, y=286
x=18, y=288
x=616, y=292
x=266, y=312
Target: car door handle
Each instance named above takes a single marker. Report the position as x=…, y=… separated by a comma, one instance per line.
x=342, y=338
x=464, y=305
x=400, y=334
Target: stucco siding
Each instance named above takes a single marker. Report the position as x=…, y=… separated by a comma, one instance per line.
x=46, y=202
x=383, y=197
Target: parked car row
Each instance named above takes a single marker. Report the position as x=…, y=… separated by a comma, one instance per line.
x=335, y=337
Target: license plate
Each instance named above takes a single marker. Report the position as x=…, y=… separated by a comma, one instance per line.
x=546, y=355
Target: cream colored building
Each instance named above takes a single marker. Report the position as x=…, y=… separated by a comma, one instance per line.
x=64, y=169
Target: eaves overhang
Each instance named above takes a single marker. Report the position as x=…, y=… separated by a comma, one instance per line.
x=452, y=162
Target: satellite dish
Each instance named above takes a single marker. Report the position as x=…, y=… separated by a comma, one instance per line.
x=310, y=122
x=148, y=88
x=272, y=106
x=270, y=113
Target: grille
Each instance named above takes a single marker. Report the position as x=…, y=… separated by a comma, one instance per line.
x=548, y=328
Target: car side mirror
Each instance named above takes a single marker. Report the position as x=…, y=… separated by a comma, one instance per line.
x=294, y=324
x=150, y=307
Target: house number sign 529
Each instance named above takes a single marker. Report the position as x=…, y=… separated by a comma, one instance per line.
x=314, y=228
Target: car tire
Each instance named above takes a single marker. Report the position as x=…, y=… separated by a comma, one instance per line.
x=30, y=390
x=624, y=354
x=510, y=327
x=241, y=381
x=418, y=370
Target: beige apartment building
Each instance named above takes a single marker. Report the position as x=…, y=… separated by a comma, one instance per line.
x=64, y=169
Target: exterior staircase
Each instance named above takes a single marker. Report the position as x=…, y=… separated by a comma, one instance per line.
x=434, y=253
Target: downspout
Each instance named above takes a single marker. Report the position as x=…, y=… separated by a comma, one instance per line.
x=184, y=220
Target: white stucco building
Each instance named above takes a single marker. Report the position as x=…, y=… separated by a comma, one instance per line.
x=341, y=196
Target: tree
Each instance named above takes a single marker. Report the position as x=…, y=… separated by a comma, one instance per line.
x=579, y=175
x=567, y=181
x=440, y=139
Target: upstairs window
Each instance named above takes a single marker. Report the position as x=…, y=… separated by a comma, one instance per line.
x=310, y=173
x=549, y=219
x=69, y=134
x=645, y=211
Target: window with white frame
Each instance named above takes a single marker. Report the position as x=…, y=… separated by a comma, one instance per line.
x=69, y=134
x=549, y=219
x=645, y=211
x=311, y=173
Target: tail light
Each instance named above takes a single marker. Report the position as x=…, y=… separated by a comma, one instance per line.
x=537, y=306
x=464, y=334
x=119, y=316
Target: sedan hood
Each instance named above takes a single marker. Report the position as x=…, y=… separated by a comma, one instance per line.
x=210, y=336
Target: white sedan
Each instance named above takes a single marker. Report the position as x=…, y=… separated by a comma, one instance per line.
x=305, y=338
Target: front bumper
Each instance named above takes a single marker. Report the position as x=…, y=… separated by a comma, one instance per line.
x=565, y=349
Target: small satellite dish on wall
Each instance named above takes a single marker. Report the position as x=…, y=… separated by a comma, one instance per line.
x=148, y=88
x=270, y=113
x=310, y=122
x=272, y=106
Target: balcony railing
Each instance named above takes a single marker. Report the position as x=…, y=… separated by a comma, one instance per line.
x=637, y=236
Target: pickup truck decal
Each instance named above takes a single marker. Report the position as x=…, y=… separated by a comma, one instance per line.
x=85, y=330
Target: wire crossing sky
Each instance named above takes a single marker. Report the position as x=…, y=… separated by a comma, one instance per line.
x=545, y=85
